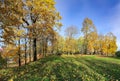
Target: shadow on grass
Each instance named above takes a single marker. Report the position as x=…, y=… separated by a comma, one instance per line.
x=50, y=68
x=67, y=69
x=109, y=70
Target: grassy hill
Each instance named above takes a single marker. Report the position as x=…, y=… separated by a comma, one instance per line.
x=66, y=68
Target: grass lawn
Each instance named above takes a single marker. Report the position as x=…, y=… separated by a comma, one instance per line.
x=66, y=68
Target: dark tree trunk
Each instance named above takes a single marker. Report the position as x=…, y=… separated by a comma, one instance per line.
x=25, y=51
x=45, y=46
x=19, y=54
x=34, y=49
x=30, y=50
x=85, y=48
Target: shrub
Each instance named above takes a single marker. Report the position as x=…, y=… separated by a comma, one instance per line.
x=59, y=53
x=117, y=53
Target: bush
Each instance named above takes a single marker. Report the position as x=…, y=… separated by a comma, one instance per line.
x=117, y=53
x=59, y=53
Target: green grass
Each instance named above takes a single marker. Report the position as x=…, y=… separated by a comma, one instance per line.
x=66, y=68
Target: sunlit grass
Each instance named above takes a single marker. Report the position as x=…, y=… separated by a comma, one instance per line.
x=67, y=68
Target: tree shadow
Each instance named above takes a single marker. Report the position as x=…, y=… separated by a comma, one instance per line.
x=109, y=70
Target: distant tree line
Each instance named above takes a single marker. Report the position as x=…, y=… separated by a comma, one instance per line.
x=89, y=43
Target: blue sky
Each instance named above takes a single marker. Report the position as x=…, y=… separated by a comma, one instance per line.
x=104, y=13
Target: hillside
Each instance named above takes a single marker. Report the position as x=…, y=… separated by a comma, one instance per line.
x=66, y=68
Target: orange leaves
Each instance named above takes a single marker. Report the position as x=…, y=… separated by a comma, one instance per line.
x=19, y=32
x=92, y=42
x=10, y=51
x=39, y=17
x=28, y=3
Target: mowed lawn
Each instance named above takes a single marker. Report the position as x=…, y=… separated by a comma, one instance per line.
x=66, y=68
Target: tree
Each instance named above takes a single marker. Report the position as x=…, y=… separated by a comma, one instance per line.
x=111, y=43
x=39, y=17
x=80, y=44
x=70, y=33
x=59, y=44
x=43, y=18
x=92, y=42
x=87, y=30
x=106, y=44
x=100, y=44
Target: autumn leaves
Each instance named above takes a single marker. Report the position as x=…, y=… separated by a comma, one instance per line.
x=95, y=43
x=89, y=42
x=28, y=25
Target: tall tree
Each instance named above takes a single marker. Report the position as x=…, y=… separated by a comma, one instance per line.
x=70, y=33
x=87, y=29
x=43, y=17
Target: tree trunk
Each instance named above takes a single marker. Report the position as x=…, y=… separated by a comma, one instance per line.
x=43, y=47
x=46, y=47
x=85, y=48
x=30, y=50
x=25, y=51
x=34, y=49
x=6, y=62
x=19, y=60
